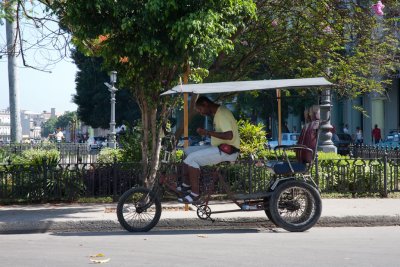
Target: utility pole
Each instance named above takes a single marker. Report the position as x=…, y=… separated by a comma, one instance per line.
x=12, y=40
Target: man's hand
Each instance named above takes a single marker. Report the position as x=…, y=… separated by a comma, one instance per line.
x=201, y=131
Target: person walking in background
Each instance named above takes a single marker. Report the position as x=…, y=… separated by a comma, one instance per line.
x=285, y=128
x=335, y=137
x=59, y=135
x=358, y=136
x=346, y=129
x=376, y=134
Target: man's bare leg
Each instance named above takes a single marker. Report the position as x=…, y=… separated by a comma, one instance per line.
x=185, y=185
x=185, y=174
x=194, y=175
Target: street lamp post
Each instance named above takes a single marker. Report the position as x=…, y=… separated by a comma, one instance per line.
x=112, y=89
x=325, y=136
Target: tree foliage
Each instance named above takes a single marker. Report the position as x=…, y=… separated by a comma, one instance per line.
x=40, y=43
x=66, y=119
x=93, y=98
x=49, y=127
x=63, y=121
x=252, y=139
x=340, y=40
x=150, y=43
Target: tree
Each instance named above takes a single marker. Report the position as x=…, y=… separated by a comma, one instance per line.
x=93, y=98
x=307, y=38
x=64, y=120
x=49, y=127
x=150, y=43
x=12, y=52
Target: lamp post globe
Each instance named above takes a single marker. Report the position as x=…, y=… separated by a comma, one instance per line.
x=113, y=77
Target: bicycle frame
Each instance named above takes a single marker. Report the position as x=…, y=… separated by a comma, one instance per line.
x=245, y=202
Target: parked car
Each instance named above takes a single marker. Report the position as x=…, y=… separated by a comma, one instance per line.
x=343, y=143
x=392, y=140
x=287, y=139
x=96, y=142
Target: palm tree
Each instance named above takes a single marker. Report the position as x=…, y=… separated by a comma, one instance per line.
x=12, y=41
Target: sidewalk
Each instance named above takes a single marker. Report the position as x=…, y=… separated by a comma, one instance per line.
x=102, y=217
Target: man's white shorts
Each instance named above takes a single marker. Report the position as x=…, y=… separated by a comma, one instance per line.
x=198, y=156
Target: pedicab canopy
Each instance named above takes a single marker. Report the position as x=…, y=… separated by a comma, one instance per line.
x=241, y=86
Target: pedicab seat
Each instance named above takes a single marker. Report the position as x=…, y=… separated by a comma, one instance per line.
x=282, y=168
x=305, y=150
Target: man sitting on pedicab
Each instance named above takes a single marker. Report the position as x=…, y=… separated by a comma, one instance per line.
x=225, y=145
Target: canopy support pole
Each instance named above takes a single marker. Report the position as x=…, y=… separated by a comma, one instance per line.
x=186, y=115
x=278, y=96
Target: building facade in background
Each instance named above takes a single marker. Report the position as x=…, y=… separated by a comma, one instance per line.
x=5, y=126
x=31, y=123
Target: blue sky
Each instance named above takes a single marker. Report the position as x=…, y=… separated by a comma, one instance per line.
x=39, y=91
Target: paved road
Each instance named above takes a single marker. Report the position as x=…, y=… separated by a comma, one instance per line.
x=357, y=246
x=102, y=217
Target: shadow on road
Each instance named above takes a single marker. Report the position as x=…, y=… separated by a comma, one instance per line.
x=166, y=232
x=23, y=219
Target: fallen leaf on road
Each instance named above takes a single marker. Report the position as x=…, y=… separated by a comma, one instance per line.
x=95, y=260
x=97, y=255
x=99, y=258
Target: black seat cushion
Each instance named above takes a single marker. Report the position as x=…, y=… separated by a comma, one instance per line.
x=282, y=167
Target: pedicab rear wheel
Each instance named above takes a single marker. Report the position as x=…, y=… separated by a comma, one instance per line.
x=267, y=211
x=295, y=206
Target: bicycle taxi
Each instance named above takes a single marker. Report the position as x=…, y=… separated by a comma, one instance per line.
x=290, y=199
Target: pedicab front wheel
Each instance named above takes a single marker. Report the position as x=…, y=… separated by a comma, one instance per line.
x=295, y=206
x=138, y=210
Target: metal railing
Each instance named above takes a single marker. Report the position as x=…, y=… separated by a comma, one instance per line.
x=70, y=153
x=373, y=151
x=68, y=182
x=375, y=175
x=65, y=182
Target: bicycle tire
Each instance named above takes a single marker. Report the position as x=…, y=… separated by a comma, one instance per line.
x=295, y=206
x=138, y=210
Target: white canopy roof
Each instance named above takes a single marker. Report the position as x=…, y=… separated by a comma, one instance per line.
x=238, y=86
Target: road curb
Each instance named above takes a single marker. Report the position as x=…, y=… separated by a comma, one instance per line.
x=187, y=223
x=361, y=221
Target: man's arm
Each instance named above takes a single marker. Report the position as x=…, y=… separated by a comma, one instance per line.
x=220, y=135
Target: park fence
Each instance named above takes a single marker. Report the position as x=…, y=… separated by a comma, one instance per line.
x=71, y=182
x=374, y=151
x=70, y=153
x=65, y=182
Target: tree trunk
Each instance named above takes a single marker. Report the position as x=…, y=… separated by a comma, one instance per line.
x=152, y=130
x=158, y=133
x=12, y=40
